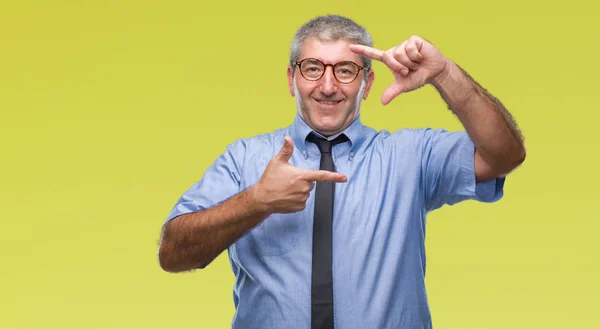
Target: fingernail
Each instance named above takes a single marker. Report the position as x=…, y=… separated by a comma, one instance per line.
x=404, y=71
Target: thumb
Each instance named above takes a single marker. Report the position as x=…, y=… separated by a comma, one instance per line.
x=391, y=92
x=286, y=150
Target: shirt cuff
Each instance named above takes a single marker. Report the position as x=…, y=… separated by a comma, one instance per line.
x=488, y=191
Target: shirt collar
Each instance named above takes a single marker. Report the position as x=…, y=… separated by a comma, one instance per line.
x=356, y=133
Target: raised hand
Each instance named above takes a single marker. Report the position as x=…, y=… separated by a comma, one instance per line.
x=284, y=188
x=413, y=63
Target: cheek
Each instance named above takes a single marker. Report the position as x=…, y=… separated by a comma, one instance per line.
x=356, y=92
x=302, y=88
x=351, y=91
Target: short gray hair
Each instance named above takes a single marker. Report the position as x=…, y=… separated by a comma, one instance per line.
x=331, y=28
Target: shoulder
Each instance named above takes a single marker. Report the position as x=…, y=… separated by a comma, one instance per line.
x=260, y=143
x=426, y=137
x=407, y=137
x=414, y=142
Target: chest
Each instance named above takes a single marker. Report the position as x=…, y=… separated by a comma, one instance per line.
x=381, y=199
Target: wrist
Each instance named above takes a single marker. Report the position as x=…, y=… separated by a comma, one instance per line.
x=257, y=202
x=441, y=79
x=455, y=87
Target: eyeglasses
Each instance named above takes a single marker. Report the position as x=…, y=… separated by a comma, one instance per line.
x=313, y=69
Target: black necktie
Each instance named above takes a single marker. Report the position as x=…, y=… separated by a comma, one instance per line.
x=322, y=280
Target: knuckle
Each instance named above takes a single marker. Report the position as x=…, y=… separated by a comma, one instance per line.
x=387, y=58
x=400, y=55
x=296, y=179
x=399, y=67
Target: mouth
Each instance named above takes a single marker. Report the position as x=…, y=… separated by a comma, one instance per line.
x=328, y=102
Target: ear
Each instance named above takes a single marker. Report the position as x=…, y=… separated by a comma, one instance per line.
x=370, y=79
x=290, y=76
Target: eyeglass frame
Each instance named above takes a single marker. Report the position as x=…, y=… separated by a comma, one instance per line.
x=360, y=68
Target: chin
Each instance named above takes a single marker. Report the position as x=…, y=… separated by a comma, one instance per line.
x=328, y=128
x=326, y=124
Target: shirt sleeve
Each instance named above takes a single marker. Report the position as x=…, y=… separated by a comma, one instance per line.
x=448, y=166
x=220, y=182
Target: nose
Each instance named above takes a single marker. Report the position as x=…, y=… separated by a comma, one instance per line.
x=328, y=84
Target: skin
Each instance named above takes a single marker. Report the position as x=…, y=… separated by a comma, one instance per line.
x=193, y=240
x=327, y=119
x=499, y=147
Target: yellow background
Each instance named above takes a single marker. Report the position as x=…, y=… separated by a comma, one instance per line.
x=109, y=110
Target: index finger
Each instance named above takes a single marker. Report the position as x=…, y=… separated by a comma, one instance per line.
x=370, y=52
x=324, y=176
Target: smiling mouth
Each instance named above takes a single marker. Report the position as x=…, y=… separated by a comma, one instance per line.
x=328, y=102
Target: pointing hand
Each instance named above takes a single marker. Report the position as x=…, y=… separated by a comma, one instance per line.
x=284, y=188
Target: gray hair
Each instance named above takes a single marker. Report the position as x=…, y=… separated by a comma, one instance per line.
x=331, y=28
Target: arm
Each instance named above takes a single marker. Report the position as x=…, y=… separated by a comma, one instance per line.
x=498, y=143
x=193, y=240
x=415, y=62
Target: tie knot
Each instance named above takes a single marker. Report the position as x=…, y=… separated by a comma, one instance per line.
x=325, y=145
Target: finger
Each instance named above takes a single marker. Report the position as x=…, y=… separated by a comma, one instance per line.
x=412, y=50
x=310, y=186
x=286, y=150
x=392, y=92
x=418, y=41
x=400, y=54
x=393, y=63
x=323, y=176
x=370, y=52
x=305, y=185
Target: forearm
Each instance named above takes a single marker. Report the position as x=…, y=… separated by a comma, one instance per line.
x=193, y=240
x=490, y=126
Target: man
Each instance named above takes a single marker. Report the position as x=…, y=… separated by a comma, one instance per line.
x=348, y=253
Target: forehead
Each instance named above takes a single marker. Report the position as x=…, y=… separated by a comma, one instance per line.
x=329, y=52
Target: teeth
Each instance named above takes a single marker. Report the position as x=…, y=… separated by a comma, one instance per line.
x=329, y=102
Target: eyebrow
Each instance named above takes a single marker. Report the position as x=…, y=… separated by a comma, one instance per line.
x=324, y=62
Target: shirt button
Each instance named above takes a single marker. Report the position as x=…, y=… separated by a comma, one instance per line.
x=351, y=154
x=303, y=151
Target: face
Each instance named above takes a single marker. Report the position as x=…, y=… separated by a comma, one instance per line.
x=326, y=105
